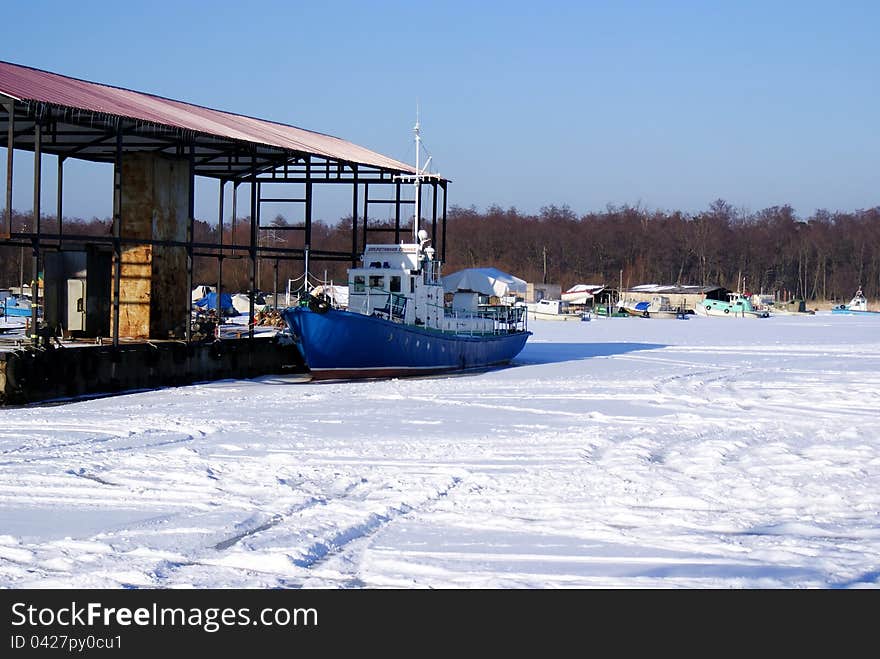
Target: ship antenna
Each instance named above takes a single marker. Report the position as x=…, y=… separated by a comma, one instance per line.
x=418, y=178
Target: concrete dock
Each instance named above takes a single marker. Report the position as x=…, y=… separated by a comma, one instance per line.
x=69, y=370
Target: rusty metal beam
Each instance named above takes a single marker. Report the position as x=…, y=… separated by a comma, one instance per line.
x=10, y=150
x=354, y=217
x=443, y=252
x=35, y=283
x=397, y=212
x=190, y=231
x=220, y=255
x=117, y=234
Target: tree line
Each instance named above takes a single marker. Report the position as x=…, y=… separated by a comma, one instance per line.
x=825, y=256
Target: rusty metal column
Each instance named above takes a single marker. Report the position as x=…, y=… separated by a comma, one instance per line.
x=190, y=221
x=35, y=236
x=60, y=205
x=354, y=217
x=259, y=236
x=10, y=141
x=308, y=214
x=252, y=250
x=434, y=214
x=366, y=210
x=117, y=233
x=220, y=256
x=275, y=283
x=235, y=185
x=397, y=213
x=443, y=252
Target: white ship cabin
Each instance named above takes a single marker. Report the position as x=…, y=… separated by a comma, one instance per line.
x=394, y=284
x=401, y=283
x=859, y=302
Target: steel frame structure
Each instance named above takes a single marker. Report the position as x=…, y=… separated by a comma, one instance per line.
x=68, y=132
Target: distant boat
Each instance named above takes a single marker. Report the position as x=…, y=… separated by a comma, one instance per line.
x=857, y=306
x=241, y=302
x=609, y=311
x=398, y=323
x=796, y=307
x=552, y=310
x=737, y=306
x=658, y=307
x=582, y=294
x=209, y=302
x=16, y=307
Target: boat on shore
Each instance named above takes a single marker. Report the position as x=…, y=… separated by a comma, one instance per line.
x=857, y=306
x=397, y=322
x=552, y=310
x=737, y=306
x=796, y=307
x=658, y=307
x=16, y=307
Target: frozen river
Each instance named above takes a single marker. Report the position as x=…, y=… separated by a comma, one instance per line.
x=617, y=453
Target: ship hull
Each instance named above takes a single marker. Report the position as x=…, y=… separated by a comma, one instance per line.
x=17, y=312
x=854, y=312
x=344, y=345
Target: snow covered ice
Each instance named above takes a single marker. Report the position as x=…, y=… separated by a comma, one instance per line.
x=619, y=453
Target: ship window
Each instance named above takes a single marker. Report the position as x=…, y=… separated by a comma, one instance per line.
x=412, y=284
x=394, y=286
x=359, y=284
x=377, y=281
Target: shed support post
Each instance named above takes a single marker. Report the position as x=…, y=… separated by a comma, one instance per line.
x=190, y=230
x=252, y=250
x=443, y=251
x=35, y=236
x=397, y=213
x=117, y=233
x=10, y=143
x=60, y=205
x=354, y=218
x=220, y=255
x=366, y=211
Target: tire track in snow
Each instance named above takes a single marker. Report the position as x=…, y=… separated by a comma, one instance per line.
x=335, y=542
x=320, y=552
x=133, y=443
x=165, y=570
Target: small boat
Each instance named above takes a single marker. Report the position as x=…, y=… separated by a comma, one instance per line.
x=609, y=311
x=16, y=307
x=547, y=309
x=658, y=307
x=857, y=306
x=397, y=322
x=582, y=295
x=737, y=306
x=796, y=307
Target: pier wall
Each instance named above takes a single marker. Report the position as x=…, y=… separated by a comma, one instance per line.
x=29, y=375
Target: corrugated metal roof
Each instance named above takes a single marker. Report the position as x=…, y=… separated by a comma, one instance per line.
x=29, y=84
x=677, y=289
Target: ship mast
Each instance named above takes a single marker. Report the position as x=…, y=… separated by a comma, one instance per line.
x=418, y=180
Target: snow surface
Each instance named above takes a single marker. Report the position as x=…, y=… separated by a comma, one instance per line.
x=617, y=453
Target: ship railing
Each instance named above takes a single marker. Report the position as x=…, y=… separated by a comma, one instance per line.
x=506, y=319
x=431, y=271
x=393, y=304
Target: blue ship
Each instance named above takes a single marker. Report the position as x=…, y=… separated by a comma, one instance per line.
x=399, y=321
x=339, y=344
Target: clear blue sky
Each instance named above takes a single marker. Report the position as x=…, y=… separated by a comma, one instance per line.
x=665, y=104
